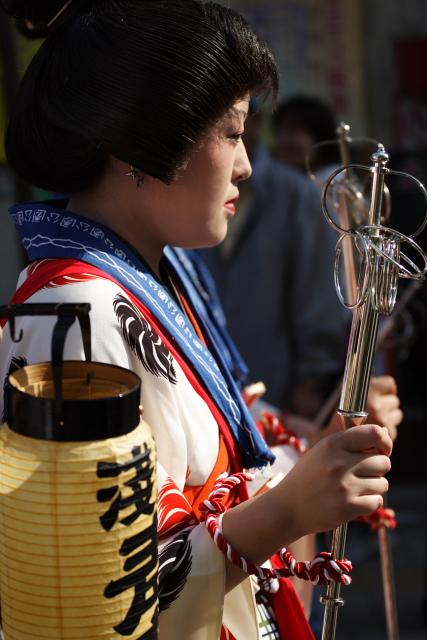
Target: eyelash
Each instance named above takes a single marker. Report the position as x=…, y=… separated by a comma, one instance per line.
x=237, y=136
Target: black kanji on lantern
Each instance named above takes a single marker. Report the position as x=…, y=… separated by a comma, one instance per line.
x=141, y=463
x=138, y=576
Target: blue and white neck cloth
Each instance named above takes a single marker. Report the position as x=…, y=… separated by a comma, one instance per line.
x=51, y=232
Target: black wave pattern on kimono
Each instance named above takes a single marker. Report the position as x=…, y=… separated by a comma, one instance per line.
x=174, y=566
x=143, y=340
x=15, y=364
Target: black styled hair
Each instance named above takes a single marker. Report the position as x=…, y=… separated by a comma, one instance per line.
x=142, y=80
x=314, y=116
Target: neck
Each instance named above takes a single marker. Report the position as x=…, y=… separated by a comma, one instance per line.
x=118, y=215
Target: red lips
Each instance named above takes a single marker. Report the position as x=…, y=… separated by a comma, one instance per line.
x=230, y=204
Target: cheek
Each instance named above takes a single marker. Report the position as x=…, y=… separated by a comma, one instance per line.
x=206, y=181
x=220, y=171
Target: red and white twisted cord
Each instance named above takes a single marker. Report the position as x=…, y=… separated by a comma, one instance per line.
x=322, y=570
x=282, y=434
x=380, y=518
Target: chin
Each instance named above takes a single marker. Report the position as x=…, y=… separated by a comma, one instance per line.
x=210, y=240
x=215, y=240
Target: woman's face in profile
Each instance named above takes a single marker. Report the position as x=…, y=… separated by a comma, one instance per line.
x=193, y=211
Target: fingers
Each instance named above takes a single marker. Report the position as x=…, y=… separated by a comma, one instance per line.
x=383, y=406
x=385, y=402
x=367, y=436
x=368, y=504
x=391, y=422
x=362, y=495
x=397, y=416
x=375, y=487
x=367, y=499
x=379, y=405
x=383, y=385
x=372, y=466
x=340, y=478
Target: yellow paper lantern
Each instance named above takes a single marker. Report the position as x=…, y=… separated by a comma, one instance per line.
x=78, y=546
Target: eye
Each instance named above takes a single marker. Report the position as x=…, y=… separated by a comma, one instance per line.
x=237, y=136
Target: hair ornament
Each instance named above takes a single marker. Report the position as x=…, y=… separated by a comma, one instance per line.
x=136, y=175
x=49, y=24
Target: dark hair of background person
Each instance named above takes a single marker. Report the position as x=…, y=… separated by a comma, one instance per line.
x=313, y=116
x=141, y=80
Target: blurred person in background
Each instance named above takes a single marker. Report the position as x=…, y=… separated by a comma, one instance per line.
x=299, y=124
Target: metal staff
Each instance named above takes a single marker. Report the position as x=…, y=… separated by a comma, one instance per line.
x=381, y=267
x=352, y=212
x=352, y=209
x=331, y=405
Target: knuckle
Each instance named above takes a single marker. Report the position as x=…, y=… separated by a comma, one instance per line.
x=371, y=504
x=376, y=504
x=388, y=383
x=376, y=431
x=352, y=509
x=335, y=468
x=332, y=443
x=383, y=467
x=392, y=382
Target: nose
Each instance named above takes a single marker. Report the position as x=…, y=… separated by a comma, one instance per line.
x=242, y=169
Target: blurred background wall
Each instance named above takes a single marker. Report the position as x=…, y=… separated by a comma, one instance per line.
x=320, y=47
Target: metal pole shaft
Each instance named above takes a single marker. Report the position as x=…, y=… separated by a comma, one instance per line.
x=352, y=410
x=332, y=403
x=357, y=374
x=332, y=600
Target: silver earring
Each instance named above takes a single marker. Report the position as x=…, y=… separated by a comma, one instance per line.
x=136, y=175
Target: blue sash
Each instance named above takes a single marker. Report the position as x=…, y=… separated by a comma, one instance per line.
x=51, y=232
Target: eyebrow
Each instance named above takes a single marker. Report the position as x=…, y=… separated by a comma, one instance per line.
x=236, y=112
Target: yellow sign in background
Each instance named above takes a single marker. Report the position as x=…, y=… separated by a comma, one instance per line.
x=319, y=46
